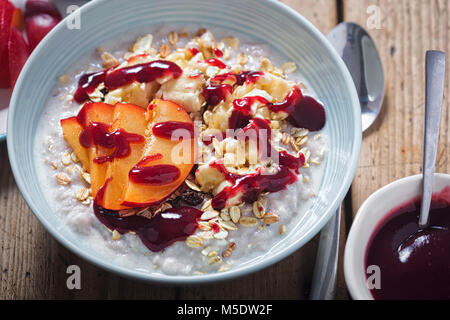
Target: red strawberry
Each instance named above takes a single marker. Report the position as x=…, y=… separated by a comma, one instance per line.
x=6, y=17
x=18, y=54
x=37, y=27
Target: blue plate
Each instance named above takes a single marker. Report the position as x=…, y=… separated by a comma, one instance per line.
x=289, y=34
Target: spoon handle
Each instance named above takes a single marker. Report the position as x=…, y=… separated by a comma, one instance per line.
x=435, y=78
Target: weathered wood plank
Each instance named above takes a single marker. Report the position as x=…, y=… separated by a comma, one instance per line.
x=392, y=148
x=322, y=13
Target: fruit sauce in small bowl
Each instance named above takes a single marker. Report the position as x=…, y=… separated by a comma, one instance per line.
x=414, y=262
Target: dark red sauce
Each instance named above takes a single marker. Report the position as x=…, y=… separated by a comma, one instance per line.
x=87, y=84
x=167, y=129
x=242, y=112
x=250, y=186
x=218, y=53
x=304, y=112
x=143, y=73
x=216, y=63
x=157, y=175
x=248, y=77
x=147, y=159
x=239, y=78
x=216, y=93
x=98, y=134
x=414, y=262
x=172, y=225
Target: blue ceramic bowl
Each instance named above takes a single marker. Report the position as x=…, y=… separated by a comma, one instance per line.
x=288, y=34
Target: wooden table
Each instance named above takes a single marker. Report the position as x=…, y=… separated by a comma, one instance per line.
x=33, y=264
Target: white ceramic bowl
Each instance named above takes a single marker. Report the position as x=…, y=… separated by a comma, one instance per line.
x=371, y=213
x=286, y=32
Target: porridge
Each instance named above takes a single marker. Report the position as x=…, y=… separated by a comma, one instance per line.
x=185, y=153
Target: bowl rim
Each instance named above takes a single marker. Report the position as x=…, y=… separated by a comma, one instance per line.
x=351, y=270
x=218, y=276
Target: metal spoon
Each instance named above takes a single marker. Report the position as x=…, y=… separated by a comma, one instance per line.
x=435, y=78
x=360, y=55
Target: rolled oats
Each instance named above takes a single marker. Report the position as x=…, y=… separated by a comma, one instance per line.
x=289, y=67
x=82, y=194
x=66, y=159
x=109, y=61
x=248, y=221
x=74, y=157
x=222, y=234
x=229, y=225
x=115, y=235
x=194, y=241
x=232, y=42
x=235, y=214
x=301, y=141
x=242, y=58
x=192, y=185
x=215, y=260
x=208, y=215
x=207, y=235
x=207, y=205
x=164, y=50
x=229, y=250
x=173, y=38
x=270, y=218
x=63, y=179
x=85, y=176
x=258, y=209
x=225, y=214
x=266, y=64
x=204, y=226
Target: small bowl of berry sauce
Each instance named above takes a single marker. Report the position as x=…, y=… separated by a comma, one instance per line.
x=388, y=256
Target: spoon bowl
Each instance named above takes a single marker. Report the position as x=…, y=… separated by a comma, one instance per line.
x=357, y=49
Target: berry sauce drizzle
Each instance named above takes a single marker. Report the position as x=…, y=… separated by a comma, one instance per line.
x=171, y=129
x=303, y=111
x=156, y=175
x=98, y=134
x=215, y=63
x=247, y=188
x=143, y=73
x=157, y=233
x=216, y=93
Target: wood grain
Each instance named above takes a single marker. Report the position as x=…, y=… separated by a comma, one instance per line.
x=392, y=148
x=33, y=265
x=322, y=13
